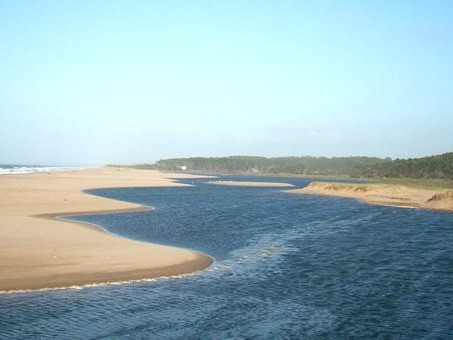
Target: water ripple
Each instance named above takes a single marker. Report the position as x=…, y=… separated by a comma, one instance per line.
x=287, y=267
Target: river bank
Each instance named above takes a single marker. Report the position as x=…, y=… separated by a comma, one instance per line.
x=384, y=194
x=38, y=251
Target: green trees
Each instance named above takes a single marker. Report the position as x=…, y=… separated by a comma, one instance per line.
x=309, y=166
x=433, y=167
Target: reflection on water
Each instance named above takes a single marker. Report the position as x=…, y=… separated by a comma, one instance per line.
x=287, y=266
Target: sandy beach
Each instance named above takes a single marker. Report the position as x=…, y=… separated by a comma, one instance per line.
x=384, y=194
x=38, y=251
x=251, y=184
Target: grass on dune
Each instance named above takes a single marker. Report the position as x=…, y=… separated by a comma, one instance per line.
x=420, y=183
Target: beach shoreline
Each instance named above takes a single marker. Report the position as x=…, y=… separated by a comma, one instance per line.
x=251, y=184
x=40, y=249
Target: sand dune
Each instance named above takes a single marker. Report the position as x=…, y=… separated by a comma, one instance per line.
x=385, y=194
x=38, y=251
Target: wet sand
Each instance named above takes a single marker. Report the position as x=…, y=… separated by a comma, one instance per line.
x=251, y=184
x=38, y=251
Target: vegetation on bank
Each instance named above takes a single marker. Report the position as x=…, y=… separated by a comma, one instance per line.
x=426, y=172
x=300, y=166
x=433, y=167
x=419, y=183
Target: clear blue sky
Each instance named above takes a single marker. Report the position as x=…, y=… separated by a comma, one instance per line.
x=94, y=82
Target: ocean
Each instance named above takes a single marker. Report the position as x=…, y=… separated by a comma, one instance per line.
x=16, y=169
x=286, y=266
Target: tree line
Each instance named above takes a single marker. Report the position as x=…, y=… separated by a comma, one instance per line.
x=308, y=166
x=433, y=167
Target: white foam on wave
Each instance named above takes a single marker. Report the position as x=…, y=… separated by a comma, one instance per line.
x=71, y=218
x=101, y=284
x=18, y=170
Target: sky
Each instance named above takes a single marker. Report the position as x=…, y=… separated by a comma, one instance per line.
x=100, y=82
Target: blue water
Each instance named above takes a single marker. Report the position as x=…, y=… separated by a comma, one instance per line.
x=286, y=267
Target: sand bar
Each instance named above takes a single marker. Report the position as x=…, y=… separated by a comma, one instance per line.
x=38, y=251
x=384, y=194
x=251, y=184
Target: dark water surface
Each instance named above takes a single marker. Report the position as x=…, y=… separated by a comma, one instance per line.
x=286, y=267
